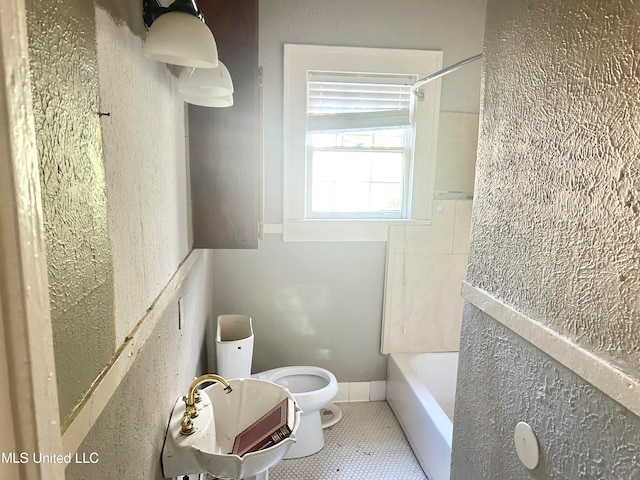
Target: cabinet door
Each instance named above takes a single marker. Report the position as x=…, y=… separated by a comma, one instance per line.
x=224, y=143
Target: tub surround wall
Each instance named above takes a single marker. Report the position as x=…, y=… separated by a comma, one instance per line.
x=426, y=264
x=425, y=268
x=456, y=153
x=554, y=238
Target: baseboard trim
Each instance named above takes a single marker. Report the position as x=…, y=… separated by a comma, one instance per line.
x=361, y=392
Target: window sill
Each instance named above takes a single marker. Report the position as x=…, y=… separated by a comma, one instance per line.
x=342, y=230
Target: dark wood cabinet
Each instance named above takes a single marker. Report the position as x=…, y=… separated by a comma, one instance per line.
x=224, y=143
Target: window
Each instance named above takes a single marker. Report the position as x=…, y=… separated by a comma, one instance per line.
x=359, y=146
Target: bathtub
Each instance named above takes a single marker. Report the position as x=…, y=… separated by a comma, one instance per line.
x=421, y=392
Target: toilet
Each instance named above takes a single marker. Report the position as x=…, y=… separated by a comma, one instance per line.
x=312, y=387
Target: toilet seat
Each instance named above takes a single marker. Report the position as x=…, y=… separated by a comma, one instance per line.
x=312, y=387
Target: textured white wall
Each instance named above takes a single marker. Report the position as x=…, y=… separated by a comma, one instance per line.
x=65, y=94
x=122, y=179
x=144, y=152
x=558, y=172
x=555, y=238
x=129, y=434
x=503, y=380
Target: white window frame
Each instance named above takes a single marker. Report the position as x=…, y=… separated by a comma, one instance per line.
x=298, y=60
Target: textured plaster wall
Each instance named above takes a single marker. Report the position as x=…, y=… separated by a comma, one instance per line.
x=129, y=434
x=62, y=53
x=558, y=193
x=582, y=433
x=555, y=235
x=144, y=144
x=117, y=222
x=144, y=150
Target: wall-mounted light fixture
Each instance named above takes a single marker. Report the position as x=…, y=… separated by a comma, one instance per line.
x=178, y=35
x=225, y=101
x=206, y=82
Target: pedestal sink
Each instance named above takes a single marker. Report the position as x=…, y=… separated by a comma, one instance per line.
x=221, y=417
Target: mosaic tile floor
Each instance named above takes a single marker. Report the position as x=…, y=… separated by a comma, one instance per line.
x=367, y=444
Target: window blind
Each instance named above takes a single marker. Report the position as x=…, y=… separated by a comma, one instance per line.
x=356, y=102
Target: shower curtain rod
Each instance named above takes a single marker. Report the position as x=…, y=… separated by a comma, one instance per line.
x=441, y=73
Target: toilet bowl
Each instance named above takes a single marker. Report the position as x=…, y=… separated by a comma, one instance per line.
x=312, y=388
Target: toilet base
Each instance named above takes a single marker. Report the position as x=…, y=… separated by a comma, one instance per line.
x=309, y=437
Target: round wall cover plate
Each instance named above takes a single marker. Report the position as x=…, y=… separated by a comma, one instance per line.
x=527, y=446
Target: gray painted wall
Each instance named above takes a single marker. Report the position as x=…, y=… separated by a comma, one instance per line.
x=555, y=236
x=455, y=27
x=321, y=303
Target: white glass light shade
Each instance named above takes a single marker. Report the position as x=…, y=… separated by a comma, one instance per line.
x=206, y=82
x=225, y=101
x=181, y=39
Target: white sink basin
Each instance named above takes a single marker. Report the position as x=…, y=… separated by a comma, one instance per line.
x=221, y=417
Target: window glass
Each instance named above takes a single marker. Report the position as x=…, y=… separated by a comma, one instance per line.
x=358, y=153
x=356, y=181
x=359, y=145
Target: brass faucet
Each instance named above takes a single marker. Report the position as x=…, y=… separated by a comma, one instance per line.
x=193, y=397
